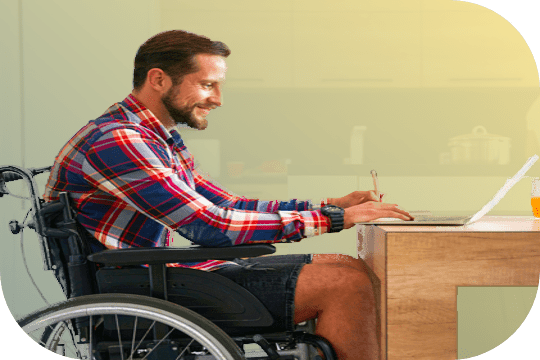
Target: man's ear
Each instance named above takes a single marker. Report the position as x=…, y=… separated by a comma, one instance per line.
x=158, y=80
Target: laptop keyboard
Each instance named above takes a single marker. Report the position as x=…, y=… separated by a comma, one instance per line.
x=438, y=218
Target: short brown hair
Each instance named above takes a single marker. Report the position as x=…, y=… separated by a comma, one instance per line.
x=173, y=52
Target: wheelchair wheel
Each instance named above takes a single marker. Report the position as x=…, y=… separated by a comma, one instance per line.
x=128, y=327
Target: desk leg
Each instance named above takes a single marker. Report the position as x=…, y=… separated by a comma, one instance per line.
x=377, y=273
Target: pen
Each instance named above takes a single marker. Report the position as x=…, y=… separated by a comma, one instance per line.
x=376, y=183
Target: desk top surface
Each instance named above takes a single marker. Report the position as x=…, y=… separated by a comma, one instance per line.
x=485, y=224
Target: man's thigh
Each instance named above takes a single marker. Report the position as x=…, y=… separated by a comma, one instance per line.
x=273, y=280
x=295, y=286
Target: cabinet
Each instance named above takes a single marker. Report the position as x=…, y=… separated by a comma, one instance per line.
x=259, y=38
x=474, y=49
x=365, y=5
x=357, y=49
x=224, y=7
x=355, y=44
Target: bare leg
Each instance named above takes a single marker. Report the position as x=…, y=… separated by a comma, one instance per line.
x=336, y=289
x=340, y=259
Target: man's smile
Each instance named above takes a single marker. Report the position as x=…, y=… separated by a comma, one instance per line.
x=205, y=110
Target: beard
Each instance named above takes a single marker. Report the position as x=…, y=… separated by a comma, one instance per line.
x=182, y=115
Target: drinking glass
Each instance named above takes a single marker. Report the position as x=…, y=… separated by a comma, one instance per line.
x=535, y=197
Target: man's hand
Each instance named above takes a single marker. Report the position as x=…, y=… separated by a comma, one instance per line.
x=354, y=198
x=372, y=210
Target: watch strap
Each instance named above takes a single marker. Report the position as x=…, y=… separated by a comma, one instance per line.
x=336, y=217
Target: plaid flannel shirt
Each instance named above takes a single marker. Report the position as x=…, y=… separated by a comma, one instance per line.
x=132, y=181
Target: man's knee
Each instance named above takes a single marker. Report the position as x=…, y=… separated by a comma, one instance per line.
x=325, y=281
x=341, y=260
x=323, y=286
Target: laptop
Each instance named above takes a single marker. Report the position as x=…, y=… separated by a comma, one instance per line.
x=425, y=218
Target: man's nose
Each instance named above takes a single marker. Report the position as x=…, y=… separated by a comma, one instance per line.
x=215, y=98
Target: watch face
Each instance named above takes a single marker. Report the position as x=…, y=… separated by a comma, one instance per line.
x=333, y=209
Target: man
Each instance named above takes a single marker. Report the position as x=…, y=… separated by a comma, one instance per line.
x=133, y=180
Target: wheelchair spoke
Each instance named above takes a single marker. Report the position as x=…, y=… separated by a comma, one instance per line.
x=122, y=327
x=185, y=349
x=144, y=336
x=119, y=336
x=73, y=345
x=72, y=335
x=91, y=330
x=133, y=340
x=159, y=342
x=51, y=337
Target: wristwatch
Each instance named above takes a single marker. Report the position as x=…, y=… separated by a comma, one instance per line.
x=335, y=213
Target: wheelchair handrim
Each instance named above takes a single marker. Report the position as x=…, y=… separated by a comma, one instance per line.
x=167, y=318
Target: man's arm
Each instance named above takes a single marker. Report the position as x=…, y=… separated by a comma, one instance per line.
x=138, y=169
x=222, y=197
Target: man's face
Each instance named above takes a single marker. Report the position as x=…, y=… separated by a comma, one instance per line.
x=190, y=101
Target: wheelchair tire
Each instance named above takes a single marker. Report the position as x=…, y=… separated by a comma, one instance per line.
x=54, y=329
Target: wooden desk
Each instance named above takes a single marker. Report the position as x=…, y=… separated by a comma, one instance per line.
x=417, y=269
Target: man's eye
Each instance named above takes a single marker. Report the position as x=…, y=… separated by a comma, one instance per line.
x=207, y=86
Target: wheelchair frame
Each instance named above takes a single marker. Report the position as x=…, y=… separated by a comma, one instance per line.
x=222, y=318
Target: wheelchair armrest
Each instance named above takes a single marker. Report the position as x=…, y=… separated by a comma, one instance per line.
x=163, y=255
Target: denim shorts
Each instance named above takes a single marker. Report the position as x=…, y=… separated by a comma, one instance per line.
x=272, y=280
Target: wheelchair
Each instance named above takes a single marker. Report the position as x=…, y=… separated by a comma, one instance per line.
x=127, y=304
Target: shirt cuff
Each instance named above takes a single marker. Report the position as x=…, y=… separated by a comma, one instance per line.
x=315, y=223
x=322, y=203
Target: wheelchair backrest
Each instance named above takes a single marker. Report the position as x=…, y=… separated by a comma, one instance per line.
x=63, y=247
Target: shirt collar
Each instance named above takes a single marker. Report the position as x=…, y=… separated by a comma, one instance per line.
x=150, y=121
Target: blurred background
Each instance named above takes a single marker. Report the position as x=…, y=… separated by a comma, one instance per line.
x=440, y=97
